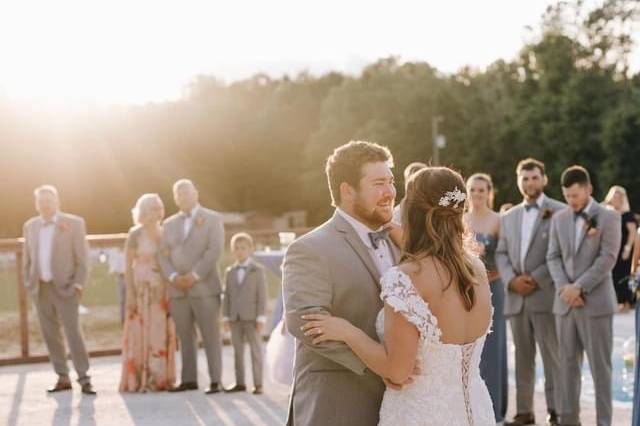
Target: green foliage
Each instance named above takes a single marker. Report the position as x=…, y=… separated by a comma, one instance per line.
x=261, y=144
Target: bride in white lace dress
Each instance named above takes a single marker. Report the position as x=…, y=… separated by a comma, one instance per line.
x=436, y=316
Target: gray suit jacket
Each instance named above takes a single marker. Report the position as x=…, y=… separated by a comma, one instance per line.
x=330, y=270
x=69, y=257
x=198, y=252
x=535, y=264
x=588, y=266
x=246, y=301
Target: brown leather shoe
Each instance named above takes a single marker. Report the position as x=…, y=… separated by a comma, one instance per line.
x=213, y=388
x=523, y=419
x=257, y=390
x=87, y=389
x=552, y=418
x=62, y=384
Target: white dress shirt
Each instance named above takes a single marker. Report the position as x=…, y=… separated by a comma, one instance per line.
x=188, y=221
x=580, y=228
x=528, y=223
x=45, y=248
x=381, y=256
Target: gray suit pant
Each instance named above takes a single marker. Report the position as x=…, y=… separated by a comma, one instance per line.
x=579, y=333
x=205, y=312
x=241, y=330
x=55, y=313
x=529, y=328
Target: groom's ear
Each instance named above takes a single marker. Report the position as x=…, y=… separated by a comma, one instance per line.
x=347, y=192
x=545, y=180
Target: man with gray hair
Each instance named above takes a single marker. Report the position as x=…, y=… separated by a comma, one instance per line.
x=55, y=267
x=192, y=243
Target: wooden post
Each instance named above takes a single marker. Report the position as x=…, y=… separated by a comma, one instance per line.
x=24, y=312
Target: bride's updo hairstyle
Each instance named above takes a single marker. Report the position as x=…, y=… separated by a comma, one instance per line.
x=432, y=225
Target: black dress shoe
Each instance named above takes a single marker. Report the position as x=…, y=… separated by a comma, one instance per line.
x=185, y=386
x=552, y=418
x=257, y=390
x=213, y=388
x=61, y=385
x=87, y=389
x=523, y=419
x=236, y=388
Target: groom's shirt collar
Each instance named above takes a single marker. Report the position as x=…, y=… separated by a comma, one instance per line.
x=361, y=229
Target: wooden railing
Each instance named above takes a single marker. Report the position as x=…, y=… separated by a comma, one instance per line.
x=263, y=237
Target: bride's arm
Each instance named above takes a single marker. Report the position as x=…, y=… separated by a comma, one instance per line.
x=394, y=361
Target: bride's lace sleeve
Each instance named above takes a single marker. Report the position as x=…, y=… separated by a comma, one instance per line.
x=399, y=293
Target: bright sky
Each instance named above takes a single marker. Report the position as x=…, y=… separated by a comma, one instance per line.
x=113, y=51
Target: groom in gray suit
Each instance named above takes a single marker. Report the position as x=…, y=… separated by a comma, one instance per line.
x=521, y=259
x=192, y=242
x=336, y=269
x=56, y=268
x=583, y=247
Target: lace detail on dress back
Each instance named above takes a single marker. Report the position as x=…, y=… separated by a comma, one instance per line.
x=449, y=391
x=399, y=292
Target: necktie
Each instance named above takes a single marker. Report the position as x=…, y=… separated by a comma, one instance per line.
x=376, y=237
x=530, y=206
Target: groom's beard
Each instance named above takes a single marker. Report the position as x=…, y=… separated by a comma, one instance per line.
x=532, y=194
x=374, y=217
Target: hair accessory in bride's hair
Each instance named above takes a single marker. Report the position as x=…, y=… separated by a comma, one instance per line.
x=454, y=197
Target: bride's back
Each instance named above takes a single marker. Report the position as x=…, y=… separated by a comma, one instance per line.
x=457, y=325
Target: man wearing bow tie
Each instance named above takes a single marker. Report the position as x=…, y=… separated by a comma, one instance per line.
x=521, y=259
x=336, y=269
x=56, y=268
x=192, y=242
x=583, y=248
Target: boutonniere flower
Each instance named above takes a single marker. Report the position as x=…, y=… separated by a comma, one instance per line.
x=63, y=226
x=546, y=214
x=199, y=221
x=592, y=226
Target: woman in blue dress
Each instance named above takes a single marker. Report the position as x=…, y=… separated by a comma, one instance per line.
x=485, y=224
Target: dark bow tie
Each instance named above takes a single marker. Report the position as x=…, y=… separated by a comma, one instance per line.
x=581, y=214
x=530, y=206
x=376, y=237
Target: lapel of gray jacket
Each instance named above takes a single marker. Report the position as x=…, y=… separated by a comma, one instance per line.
x=35, y=241
x=194, y=221
x=536, y=224
x=358, y=246
x=516, y=225
x=595, y=210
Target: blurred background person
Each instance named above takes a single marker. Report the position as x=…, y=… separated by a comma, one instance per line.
x=408, y=171
x=617, y=199
x=149, y=343
x=485, y=224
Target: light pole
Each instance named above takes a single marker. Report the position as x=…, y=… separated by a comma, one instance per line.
x=436, y=139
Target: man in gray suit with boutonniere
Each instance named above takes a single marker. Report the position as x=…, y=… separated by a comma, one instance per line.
x=583, y=247
x=521, y=257
x=56, y=268
x=336, y=269
x=192, y=243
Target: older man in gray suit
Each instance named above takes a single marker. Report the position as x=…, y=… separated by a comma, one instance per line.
x=192, y=242
x=521, y=259
x=56, y=268
x=583, y=247
x=336, y=269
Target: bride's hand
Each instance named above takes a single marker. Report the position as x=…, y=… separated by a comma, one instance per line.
x=325, y=327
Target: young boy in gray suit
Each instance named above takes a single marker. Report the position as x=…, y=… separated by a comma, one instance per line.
x=244, y=309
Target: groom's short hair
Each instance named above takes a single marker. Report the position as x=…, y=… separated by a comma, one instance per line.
x=346, y=161
x=573, y=175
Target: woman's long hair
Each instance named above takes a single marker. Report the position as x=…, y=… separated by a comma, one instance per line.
x=433, y=226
